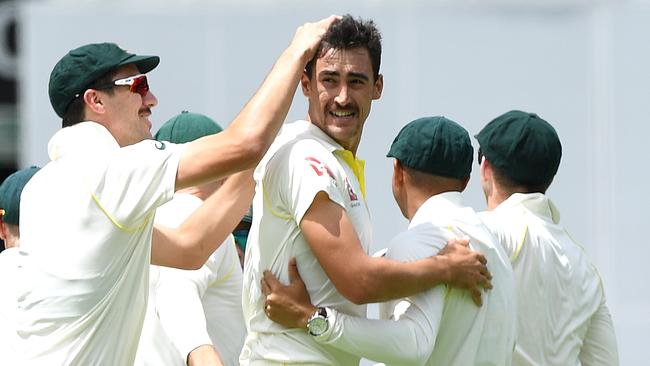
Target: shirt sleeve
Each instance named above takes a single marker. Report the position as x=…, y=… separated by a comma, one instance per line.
x=180, y=309
x=138, y=179
x=408, y=339
x=301, y=170
x=599, y=347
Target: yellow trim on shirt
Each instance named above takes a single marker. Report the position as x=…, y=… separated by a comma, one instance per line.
x=225, y=278
x=267, y=200
x=602, y=286
x=117, y=224
x=514, y=255
x=357, y=166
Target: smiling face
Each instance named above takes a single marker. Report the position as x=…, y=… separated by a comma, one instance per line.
x=340, y=94
x=126, y=112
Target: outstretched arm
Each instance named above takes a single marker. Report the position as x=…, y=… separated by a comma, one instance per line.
x=332, y=238
x=244, y=142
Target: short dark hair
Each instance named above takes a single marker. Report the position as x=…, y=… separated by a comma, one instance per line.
x=349, y=33
x=75, y=112
x=511, y=185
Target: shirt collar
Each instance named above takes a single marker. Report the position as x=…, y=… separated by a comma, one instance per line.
x=537, y=203
x=441, y=202
x=306, y=129
x=80, y=139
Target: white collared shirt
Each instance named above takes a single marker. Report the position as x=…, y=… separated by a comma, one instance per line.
x=562, y=316
x=441, y=326
x=86, y=229
x=302, y=162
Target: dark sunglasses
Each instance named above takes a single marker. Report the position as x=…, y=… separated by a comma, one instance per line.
x=480, y=156
x=137, y=84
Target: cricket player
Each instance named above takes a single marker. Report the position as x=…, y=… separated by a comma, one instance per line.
x=193, y=316
x=562, y=317
x=442, y=326
x=10, y=191
x=87, y=217
x=310, y=204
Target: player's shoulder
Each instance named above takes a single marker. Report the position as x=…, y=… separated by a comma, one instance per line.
x=419, y=241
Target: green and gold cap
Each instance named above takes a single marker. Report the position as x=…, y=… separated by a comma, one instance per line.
x=10, y=191
x=80, y=67
x=186, y=127
x=522, y=146
x=434, y=145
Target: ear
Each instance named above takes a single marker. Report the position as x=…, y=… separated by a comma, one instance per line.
x=3, y=231
x=93, y=100
x=486, y=170
x=379, y=87
x=305, y=83
x=398, y=173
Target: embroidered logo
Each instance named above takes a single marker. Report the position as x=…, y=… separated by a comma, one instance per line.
x=348, y=187
x=160, y=145
x=319, y=168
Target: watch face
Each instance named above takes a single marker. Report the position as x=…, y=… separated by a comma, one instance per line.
x=317, y=326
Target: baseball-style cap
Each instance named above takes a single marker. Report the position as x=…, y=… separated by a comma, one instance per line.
x=434, y=145
x=80, y=67
x=10, y=191
x=523, y=146
x=186, y=127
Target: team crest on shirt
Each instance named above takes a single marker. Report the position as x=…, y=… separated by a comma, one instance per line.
x=160, y=145
x=351, y=193
x=319, y=167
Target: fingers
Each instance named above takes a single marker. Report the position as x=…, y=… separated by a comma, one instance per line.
x=294, y=275
x=266, y=289
x=329, y=20
x=476, y=296
x=271, y=280
x=481, y=258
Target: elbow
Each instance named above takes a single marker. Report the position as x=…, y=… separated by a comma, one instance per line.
x=360, y=292
x=192, y=257
x=252, y=150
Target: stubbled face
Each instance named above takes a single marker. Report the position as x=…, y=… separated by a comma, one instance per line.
x=340, y=93
x=127, y=113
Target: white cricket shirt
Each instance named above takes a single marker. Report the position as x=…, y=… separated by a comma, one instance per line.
x=302, y=162
x=86, y=227
x=441, y=326
x=562, y=316
x=194, y=307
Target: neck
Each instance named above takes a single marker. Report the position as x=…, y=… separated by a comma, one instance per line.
x=416, y=197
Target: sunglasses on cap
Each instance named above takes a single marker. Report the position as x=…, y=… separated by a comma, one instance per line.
x=137, y=84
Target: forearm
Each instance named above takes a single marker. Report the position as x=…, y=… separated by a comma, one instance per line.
x=190, y=245
x=244, y=142
x=403, y=342
x=383, y=279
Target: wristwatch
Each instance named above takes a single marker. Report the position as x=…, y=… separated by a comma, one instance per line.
x=317, y=323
